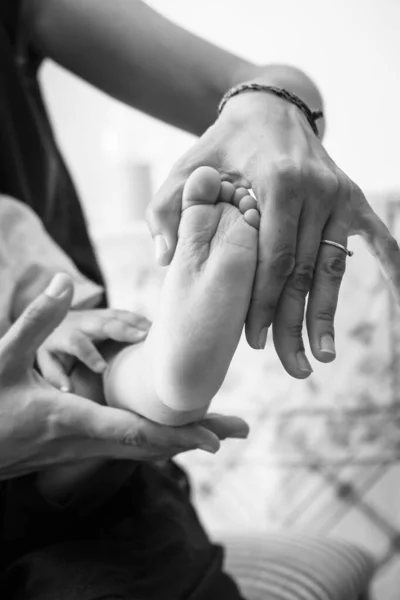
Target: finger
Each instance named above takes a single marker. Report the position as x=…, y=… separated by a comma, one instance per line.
x=226, y=426
x=329, y=271
x=384, y=246
x=36, y=323
x=52, y=370
x=380, y=241
x=120, y=326
x=289, y=316
x=84, y=350
x=122, y=332
x=125, y=316
x=114, y=433
x=277, y=248
x=163, y=217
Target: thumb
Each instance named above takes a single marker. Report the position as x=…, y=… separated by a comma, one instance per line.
x=383, y=245
x=39, y=319
x=163, y=217
x=380, y=241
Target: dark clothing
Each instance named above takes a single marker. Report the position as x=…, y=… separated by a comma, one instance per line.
x=31, y=168
x=132, y=532
x=144, y=543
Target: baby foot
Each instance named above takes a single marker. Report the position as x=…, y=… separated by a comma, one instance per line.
x=206, y=292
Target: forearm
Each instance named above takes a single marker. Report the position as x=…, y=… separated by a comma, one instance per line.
x=139, y=57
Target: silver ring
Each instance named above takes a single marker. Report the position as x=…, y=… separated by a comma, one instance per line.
x=336, y=245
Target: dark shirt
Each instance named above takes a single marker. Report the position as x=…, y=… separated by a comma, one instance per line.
x=133, y=537
x=31, y=167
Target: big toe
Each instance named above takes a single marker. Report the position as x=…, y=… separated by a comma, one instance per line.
x=202, y=187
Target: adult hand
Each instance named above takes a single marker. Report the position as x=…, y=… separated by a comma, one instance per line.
x=265, y=143
x=41, y=426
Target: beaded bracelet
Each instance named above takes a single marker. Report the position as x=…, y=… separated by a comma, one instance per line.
x=312, y=116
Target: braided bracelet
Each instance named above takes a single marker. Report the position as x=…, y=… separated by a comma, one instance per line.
x=312, y=116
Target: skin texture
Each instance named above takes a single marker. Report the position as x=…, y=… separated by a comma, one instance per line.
x=42, y=427
x=60, y=484
x=260, y=142
x=76, y=338
x=172, y=376
x=202, y=308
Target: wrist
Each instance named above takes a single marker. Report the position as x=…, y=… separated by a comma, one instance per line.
x=252, y=110
x=285, y=77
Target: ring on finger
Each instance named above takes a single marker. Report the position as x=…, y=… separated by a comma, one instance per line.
x=336, y=245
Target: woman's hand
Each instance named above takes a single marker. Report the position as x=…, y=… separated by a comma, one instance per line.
x=265, y=143
x=74, y=339
x=41, y=426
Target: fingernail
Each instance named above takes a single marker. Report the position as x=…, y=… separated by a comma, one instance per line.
x=58, y=286
x=138, y=336
x=160, y=247
x=241, y=431
x=101, y=366
x=262, y=338
x=64, y=388
x=207, y=440
x=327, y=344
x=303, y=363
x=208, y=448
x=240, y=435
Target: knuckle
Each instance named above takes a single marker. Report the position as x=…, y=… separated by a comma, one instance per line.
x=31, y=314
x=156, y=211
x=294, y=330
x=330, y=184
x=288, y=171
x=326, y=313
x=77, y=340
x=334, y=267
x=302, y=277
x=269, y=309
x=135, y=438
x=283, y=264
x=264, y=306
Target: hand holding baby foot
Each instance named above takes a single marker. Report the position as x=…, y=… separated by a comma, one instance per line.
x=76, y=336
